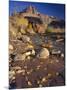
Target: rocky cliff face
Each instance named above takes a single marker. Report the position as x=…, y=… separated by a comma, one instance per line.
x=39, y=22
x=30, y=9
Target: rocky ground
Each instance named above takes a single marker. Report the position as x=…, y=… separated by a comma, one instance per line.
x=36, y=65
x=36, y=58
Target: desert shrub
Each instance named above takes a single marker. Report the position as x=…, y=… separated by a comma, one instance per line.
x=22, y=21
x=49, y=30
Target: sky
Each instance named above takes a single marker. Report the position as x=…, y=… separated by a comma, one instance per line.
x=57, y=10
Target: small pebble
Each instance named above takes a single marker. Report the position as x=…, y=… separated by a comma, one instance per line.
x=17, y=67
x=30, y=46
x=41, y=62
x=28, y=72
x=57, y=61
x=19, y=71
x=51, y=61
x=13, y=78
x=57, y=73
x=28, y=57
x=28, y=53
x=45, y=68
x=12, y=72
x=23, y=73
x=38, y=67
x=31, y=70
x=40, y=85
x=26, y=78
x=25, y=67
x=29, y=83
x=33, y=52
x=49, y=75
x=11, y=47
x=23, y=70
x=62, y=55
x=38, y=82
x=43, y=79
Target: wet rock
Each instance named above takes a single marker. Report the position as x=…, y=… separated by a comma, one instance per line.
x=44, y=53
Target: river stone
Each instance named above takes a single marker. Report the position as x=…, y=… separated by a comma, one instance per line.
x=44, y=53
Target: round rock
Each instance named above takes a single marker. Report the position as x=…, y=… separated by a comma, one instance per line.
x=44, y=53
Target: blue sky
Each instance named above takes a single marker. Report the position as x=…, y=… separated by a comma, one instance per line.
x=57, y=10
